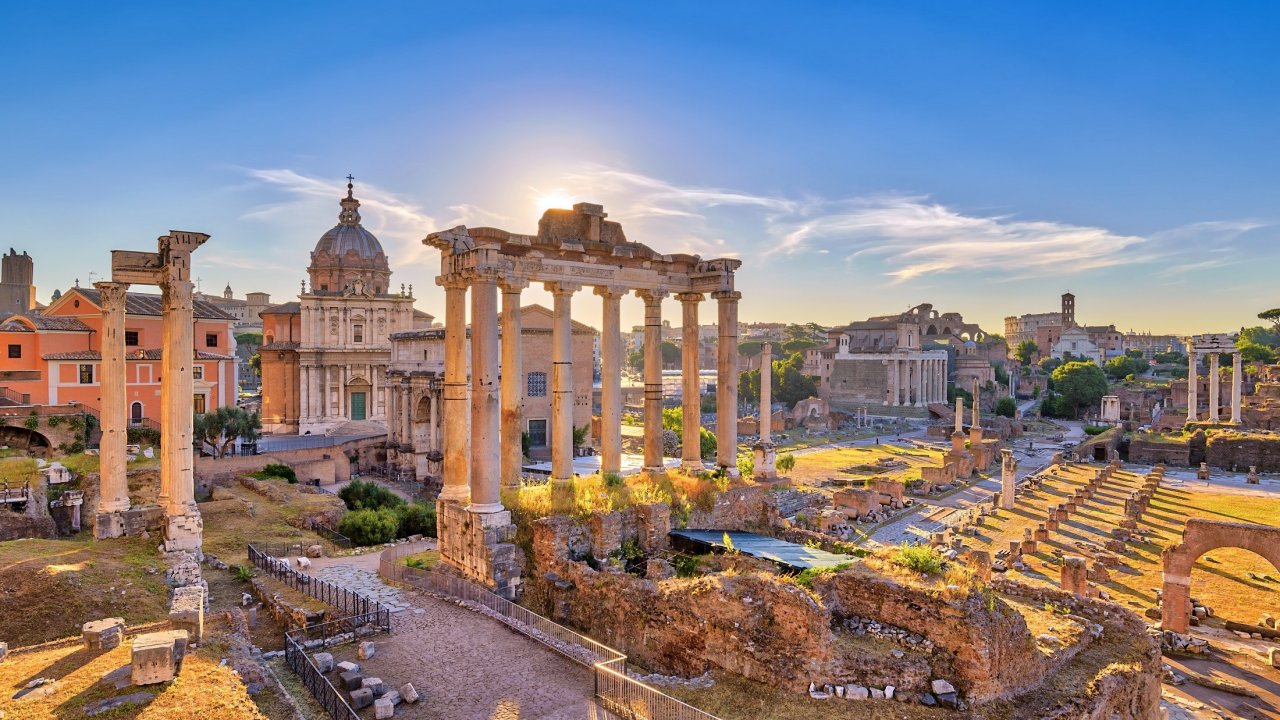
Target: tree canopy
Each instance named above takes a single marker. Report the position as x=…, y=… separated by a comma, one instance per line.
x=219, y=430
x=1272, y=316
x=1025, y=351
x=253, y=339
x=1006, y=407
x=1127, y=365
x=789, y=383
x=1080, y=384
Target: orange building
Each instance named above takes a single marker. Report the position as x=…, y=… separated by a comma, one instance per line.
x=52, y=357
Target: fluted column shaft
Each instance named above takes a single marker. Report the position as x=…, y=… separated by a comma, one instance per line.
x=561, y=380
x=611, y=381
x=691, y=400
x=1193, y=383
x=1215, y=380
x=114, y=488
x=652, y=379
x=1237, y=379
x=512, y=377
x=766, y=392
x=456, y=478
x=727, y=380
x=486, y=480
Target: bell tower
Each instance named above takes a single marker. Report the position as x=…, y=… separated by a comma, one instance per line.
x=17, y=290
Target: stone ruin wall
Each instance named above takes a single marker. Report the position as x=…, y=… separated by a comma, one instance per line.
x=1231, y=450
x=1149, y=453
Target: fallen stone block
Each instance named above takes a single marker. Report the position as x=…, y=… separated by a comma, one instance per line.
x=315, y=551
x=348, y=666
x=365, y=650
x=374, y=684
x=186, y=612
x=155, y=656
x=383, y=709
x=408, y=692
x=304, y=563
x=393, y=696
x=324, y=661
x=104, y=634
x=350, y=680
x=941, y=687
x=361, y=698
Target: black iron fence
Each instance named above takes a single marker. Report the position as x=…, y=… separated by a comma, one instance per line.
x=270, y=559
x=333, y=536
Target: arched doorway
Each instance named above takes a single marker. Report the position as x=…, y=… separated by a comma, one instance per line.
x=135, y=414
x=422, y=425
x=24, y=439
x=1199, y=537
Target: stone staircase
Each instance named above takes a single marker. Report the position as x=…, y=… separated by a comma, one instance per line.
x=358, y=427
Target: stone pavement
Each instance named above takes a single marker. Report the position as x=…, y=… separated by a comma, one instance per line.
x=363, y=580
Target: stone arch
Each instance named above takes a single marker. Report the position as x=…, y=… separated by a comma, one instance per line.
x=946, y=330
x=135, y=413
x=1199, y=537
x=932, y=330
x=22, y=438
x=422, y=422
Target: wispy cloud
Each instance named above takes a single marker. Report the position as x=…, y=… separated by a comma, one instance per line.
x=398, y=223
x=909, y=236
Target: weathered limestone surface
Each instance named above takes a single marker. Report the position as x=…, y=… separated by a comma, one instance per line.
x=186, y=612
x=156, y=656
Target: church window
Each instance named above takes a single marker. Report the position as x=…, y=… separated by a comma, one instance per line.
x=15, y=351
x=357, y=333
x=131, y=338
x=537, y=384
x=86, y=374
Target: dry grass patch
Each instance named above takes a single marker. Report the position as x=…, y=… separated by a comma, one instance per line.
x=814, y=468
x=230, y=526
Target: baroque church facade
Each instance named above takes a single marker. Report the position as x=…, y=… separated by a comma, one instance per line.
x=325, y=356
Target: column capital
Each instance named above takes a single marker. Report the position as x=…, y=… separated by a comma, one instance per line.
x=611, y=292
x=690, y=297
x=727, y=295
x=112, y=294
x=512, y=284
x=561, y=288
x=651, y=296
x=453, y=281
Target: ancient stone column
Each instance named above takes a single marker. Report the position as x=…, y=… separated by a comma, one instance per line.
x=959, y=414
x=918, y=367
x=891, y=379
x=1075, y=575
x=611, y=380
x=1175, y=601
x=1237, y=378
x=304, y=396
x=1215, y=380
x=764, y=456
x=457, y=485
x=183, y=528
x=691, y=398
x=653, y=378
x=486, y=480
x=1008, y=478
x=562, y=382
x=1193, y=382
x=727, y=381
x=113, y=497
x=512, y=377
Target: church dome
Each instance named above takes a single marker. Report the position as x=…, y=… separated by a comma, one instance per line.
x=349, y=252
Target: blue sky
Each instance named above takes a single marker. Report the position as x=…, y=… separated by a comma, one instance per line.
x=859, y=157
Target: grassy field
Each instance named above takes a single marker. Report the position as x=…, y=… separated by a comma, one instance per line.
x=1219, y=579
x=204, y=689
x=237, y=515
x=814, y=468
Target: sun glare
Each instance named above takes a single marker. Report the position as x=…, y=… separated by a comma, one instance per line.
x=558, y=200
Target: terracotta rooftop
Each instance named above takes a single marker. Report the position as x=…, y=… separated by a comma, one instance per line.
x=150, y=304
x=129, y=355
x=44, y=322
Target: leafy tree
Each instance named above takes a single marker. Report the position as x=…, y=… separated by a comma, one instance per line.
x=1170, y=358
x=361, y=495
x=671, y=354
x=635, y=361
x=1025, y=351
x=750, y=348
x=1125, y=366
x=1006, y=407
x=1257, y=353
x=798, y=345
x=1049, y=364
x=255, y=363
x=789, y=383
x=252, y=339
x=1002, y=376
x=1260, y=336
x=370, y=527
x=786, y=462
x=220, y=429
x=1272, y=316
x=1081, y=384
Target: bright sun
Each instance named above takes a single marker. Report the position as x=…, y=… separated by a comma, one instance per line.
x=557, y=199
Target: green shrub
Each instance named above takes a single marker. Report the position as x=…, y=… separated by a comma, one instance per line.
x=370, y=527
x=1096, y=429
x=1006, y=407
x=242, y=573
x=805, y=578
x=920, y=558
x=54, y=421
x=686, y=565
x=143, y=436
x=786, y=462
x=612, y=479
x=361, y=495
x=416, y=519
x=277, y=470
x=32, y=422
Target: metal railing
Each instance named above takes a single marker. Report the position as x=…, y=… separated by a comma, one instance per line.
x=14, y=494
x=14, y=396
x=352, y=604
x=332, y=535
x=615, y=691
x=369, y=617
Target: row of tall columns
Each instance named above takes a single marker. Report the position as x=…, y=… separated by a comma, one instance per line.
x=561, y=429
x=611, y=380
x=456, y=480
x=652, y=378
x=113, y=491
x=512, y=372
x=916, y=381
x=690, y=395
x=1215, y=380
x=727, y=380
x=485, y=412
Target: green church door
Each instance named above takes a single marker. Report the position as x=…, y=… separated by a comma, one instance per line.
x=357, y=406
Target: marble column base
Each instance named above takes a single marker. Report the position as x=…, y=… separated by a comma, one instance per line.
x=183, y=532
x=765, y=460
x=108, y=525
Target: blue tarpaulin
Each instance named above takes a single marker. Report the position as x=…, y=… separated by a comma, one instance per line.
x=787, y=554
